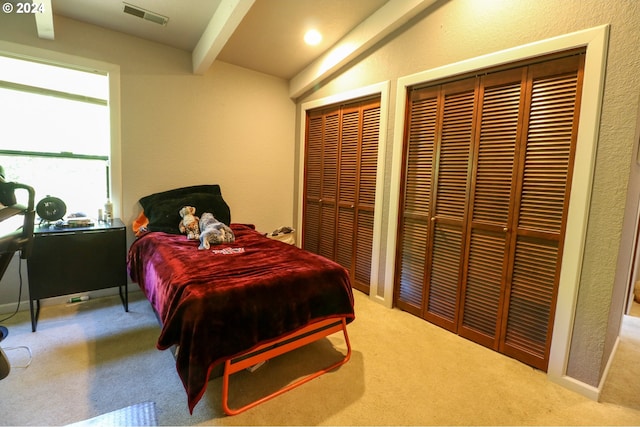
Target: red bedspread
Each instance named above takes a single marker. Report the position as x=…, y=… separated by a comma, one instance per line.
x=218, y=303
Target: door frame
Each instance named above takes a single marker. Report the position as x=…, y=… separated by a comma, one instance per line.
x=595, y=40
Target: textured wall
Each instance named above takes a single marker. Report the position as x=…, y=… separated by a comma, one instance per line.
x=456, y=30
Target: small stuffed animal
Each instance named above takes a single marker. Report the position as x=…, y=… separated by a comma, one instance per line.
x=213, y=231
x=189, y=224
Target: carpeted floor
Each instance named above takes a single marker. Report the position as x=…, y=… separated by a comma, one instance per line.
x=623, y=385
x=92, y=358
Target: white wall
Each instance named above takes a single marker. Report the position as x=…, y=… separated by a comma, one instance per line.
x=232, y=127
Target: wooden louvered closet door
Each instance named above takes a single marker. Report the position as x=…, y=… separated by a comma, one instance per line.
x=415, y=214
x=488, y=165
x=542, y=200
x=491, y=199
x=449, y=202
x=340, y=182
x=321, y=182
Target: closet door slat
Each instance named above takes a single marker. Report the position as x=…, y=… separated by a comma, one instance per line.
x=313, y=182
x=347, y=185
x=416, y=205
x=341, y=164
x=442, y=304
x=368, y=169
x=453, y=157
x=543, y=199
x=492, y=191
x=364, y=243
x=366, y=195
x=531, y=300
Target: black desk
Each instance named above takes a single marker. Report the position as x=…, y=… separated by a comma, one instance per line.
x=72, y=260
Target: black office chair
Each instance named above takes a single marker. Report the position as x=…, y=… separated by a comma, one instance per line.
x=18, y=240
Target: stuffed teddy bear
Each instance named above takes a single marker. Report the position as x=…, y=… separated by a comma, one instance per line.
x=213, y=231
x=189, y=224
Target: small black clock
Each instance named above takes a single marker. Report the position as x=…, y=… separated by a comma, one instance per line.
x=51, y=208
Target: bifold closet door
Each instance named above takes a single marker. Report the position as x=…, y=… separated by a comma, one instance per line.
x=357, y=189
x=448, y=222
x=485, y=190
x=493, y=186
x=436, y=177
x=340, y=182
x=546, y=164
x=416, y=211
x=321, y=182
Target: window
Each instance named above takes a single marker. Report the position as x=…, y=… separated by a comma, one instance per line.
x=55, y=132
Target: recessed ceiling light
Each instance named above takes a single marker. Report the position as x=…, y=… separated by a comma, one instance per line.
x=312, y=37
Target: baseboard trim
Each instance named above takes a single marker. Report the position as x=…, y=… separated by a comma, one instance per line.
x=24, y=304
x=584, y=389
x=605, y=374
x=577, y=386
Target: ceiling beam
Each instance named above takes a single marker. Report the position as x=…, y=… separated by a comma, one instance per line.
x=391, y=16
x=44, y=19
x=223, y=23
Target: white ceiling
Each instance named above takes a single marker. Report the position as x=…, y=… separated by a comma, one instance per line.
x=262, y=35
x=268, y=38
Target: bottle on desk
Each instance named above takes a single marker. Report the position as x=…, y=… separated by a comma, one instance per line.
x=108, y=212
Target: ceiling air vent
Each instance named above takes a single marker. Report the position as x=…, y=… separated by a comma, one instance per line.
x=145, y=14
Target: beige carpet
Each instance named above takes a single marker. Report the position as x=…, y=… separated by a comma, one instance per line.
x=623, y=385
x=92, y=358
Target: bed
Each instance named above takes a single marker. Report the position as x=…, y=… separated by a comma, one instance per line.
x=236, y=304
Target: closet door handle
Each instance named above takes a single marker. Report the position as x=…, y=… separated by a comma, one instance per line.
x=506, y=229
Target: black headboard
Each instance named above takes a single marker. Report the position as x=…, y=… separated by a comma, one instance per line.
x=162, y=209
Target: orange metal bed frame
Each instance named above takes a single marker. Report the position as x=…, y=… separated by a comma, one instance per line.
x=304, y=336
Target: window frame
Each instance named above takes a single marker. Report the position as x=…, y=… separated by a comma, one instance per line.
x=112, y=71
